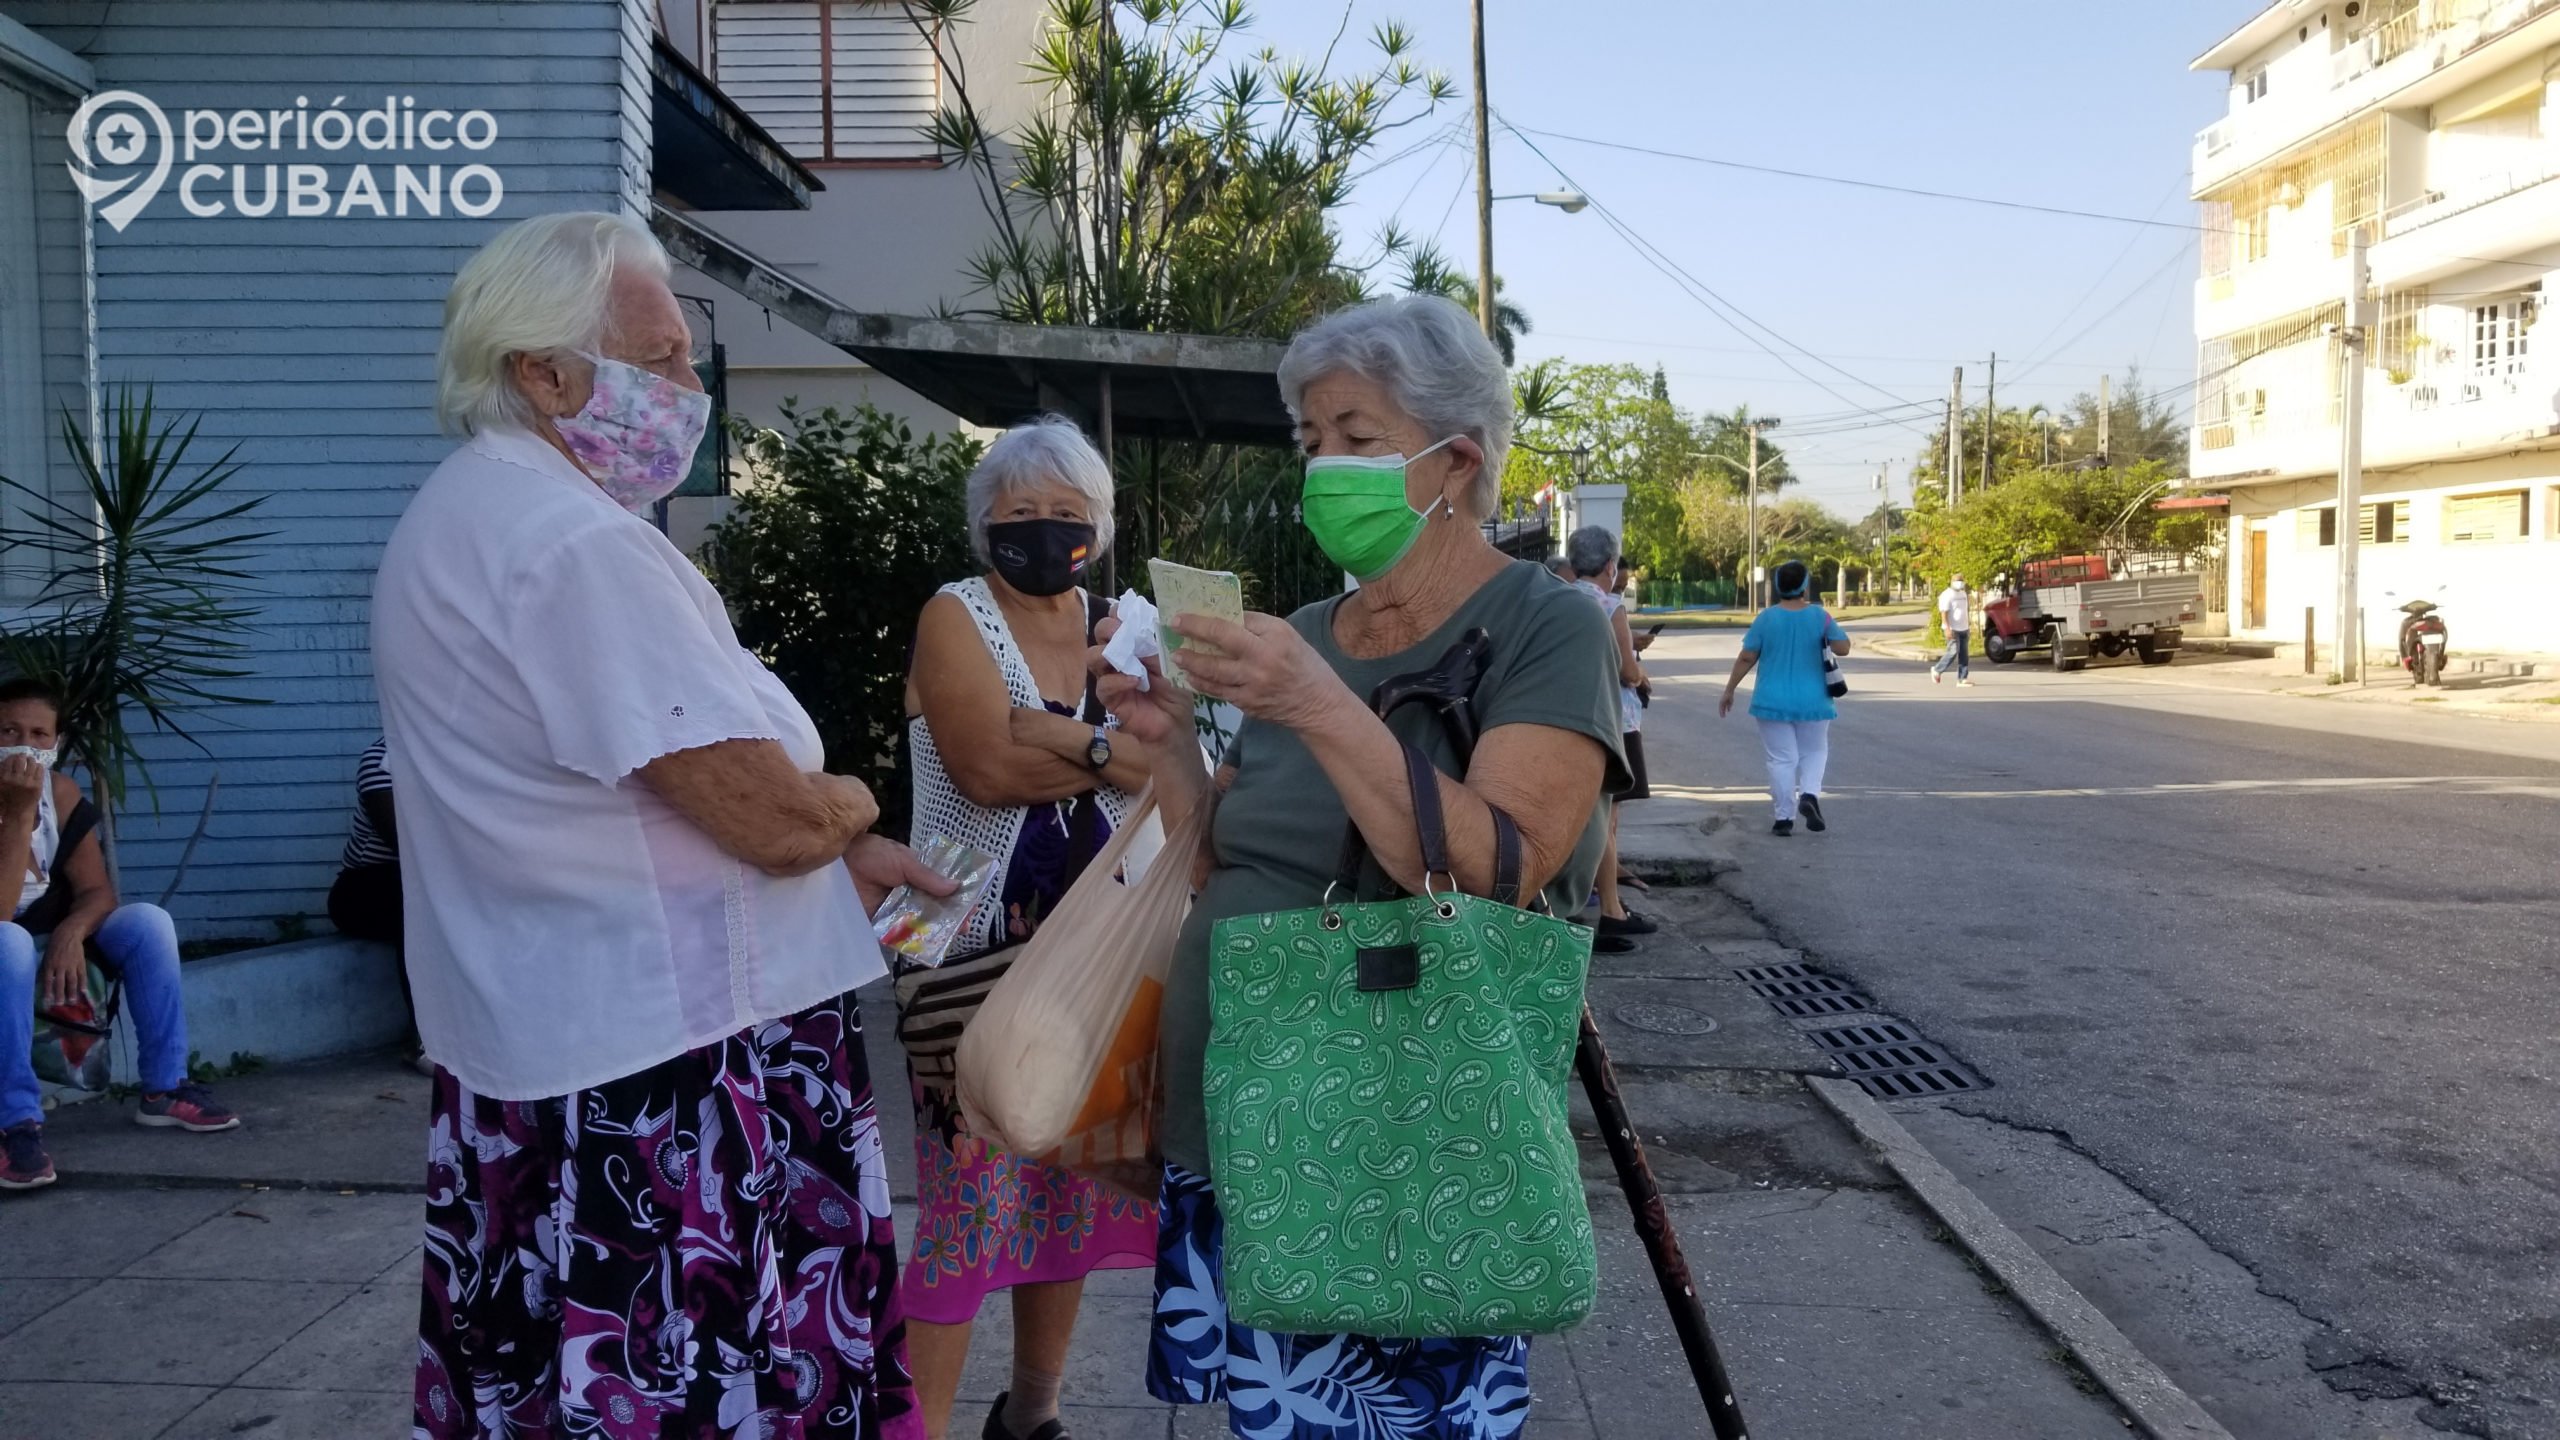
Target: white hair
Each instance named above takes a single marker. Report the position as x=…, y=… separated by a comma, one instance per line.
x=1432, y=358
x=1036, y=452
x=1591, y=548
x=542, y=285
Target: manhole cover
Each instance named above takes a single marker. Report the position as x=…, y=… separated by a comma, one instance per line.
x=1667, y=1019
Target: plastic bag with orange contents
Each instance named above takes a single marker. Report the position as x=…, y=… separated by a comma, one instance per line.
x=1059, y=1064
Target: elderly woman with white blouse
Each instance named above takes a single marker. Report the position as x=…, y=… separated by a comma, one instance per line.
x=656, y=1197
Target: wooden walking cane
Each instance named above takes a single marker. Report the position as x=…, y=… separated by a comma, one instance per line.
x=1449, y=689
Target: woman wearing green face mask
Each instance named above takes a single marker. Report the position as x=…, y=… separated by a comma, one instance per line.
x=1404, y=411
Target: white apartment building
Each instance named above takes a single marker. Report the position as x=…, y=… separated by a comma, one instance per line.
x=2435, y=126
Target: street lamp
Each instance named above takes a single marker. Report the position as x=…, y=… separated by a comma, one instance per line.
x=1570, y=202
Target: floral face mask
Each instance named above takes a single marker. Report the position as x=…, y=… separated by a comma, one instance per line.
x=637, y=433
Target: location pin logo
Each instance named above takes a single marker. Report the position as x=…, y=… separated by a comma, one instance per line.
x=113, y=135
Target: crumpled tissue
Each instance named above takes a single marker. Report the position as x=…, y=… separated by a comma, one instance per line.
x=1136, y=641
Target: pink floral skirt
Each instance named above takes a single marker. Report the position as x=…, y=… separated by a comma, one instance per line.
x=701, y=1249
x=988, y=1220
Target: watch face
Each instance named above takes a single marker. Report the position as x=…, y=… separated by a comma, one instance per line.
x=1099, y=752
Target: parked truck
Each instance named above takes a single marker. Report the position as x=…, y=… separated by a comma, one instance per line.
x=2076, y=606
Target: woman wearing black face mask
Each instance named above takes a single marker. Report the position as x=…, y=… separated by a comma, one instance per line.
x=1014, y=756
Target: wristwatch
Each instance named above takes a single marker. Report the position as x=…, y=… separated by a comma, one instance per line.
x=1098, y=754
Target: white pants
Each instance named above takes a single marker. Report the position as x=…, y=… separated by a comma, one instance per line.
x=1797, y=751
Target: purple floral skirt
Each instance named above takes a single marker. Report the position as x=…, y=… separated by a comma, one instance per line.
x=701, y=1249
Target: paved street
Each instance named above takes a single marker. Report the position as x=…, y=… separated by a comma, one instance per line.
x=2282, y=969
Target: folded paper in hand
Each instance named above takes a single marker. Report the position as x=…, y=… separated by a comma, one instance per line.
x=1136, y=642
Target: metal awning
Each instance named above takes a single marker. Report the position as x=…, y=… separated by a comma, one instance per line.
x=992, y=373
x=709, y=154
x=2193, y=502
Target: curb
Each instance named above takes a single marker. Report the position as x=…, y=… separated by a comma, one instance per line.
x=2157, y=1405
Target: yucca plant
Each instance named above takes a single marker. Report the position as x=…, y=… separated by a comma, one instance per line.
x=142, y=617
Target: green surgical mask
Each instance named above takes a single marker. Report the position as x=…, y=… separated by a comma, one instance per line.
x=1355, y=507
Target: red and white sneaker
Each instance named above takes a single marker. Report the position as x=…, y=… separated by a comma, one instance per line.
x=23, y=1163
x=189, y=1107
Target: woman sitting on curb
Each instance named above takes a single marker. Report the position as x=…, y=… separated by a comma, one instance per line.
x=53, y=878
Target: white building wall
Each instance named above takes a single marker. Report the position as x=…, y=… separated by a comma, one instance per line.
x=2469, y=215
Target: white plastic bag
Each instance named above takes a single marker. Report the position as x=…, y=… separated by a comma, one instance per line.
x=1059, y=1064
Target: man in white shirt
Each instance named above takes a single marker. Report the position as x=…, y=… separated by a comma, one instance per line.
x=1955, y=609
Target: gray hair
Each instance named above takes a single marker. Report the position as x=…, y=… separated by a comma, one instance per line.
x=542, y=285
x=1035, y=452
x=1432, y=358
x=1591, y=548
x=1561, y=566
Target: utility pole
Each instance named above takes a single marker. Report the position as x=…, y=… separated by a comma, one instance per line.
x=1884, y=535
x=1990, y=418
x=1751, y=505
x=2106, y=417
x=2353, y=335
x=1484, y=188
x=1955, y=439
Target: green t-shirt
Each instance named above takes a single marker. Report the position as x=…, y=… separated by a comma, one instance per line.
x=1279, y=830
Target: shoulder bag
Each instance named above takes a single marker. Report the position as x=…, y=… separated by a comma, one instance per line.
x=1387, y=1111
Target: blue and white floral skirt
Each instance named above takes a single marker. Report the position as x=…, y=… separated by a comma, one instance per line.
x=1312, y=1387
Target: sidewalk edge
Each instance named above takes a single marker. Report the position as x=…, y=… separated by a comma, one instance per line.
x=2157, y=1405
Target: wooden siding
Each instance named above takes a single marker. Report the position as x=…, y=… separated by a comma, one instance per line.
x=310, y=344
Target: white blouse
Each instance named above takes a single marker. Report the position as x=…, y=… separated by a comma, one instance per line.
x=533, y=645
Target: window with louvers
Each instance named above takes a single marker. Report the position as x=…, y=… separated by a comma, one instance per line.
x=844, y=80
x=2499, y=516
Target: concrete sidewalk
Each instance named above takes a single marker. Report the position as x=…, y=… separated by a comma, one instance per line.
x=264, y=1283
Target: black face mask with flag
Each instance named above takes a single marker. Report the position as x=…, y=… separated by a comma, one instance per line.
x=1040, y=557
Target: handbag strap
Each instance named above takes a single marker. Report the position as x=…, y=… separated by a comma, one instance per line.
x=1431, y=827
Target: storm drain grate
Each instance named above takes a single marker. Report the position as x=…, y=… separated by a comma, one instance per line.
x=1803, y=994
x=1889, y=1062
x=1864, y=1037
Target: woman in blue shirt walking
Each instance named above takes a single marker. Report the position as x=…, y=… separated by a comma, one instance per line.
x=1792, y=699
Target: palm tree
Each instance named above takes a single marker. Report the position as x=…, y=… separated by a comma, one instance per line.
x=1428, y=272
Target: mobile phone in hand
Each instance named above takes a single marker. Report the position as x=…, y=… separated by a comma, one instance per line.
x=1656, y=630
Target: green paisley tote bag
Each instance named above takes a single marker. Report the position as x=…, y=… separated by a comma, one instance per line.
x=1387, y=1116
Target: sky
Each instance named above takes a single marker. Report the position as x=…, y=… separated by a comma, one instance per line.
x=2060, y=103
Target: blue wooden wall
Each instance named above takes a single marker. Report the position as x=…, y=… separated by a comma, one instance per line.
x=310, y=344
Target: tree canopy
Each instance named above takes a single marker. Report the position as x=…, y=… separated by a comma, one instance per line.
x=1169, y=184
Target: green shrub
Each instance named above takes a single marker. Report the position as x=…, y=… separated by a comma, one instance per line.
x=847, y=526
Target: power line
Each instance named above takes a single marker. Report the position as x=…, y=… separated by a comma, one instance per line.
x=1855, y=183
x=1699, y=290
x=2038, y=352
x=1947, y=195
x=1635, y=343
x=2110, y=312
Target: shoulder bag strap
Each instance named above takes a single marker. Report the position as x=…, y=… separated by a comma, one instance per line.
x=1431, y=828
x=1506, y=857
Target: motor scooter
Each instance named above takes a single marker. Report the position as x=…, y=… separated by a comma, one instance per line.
x=2422, y=641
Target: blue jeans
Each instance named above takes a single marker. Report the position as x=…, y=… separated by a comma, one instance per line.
x=140, y=944
x=1959, y=654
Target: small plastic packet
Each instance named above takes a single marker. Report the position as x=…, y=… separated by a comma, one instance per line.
x=919, y=928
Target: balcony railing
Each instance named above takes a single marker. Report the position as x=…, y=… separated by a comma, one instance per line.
x=2445, y=29
x=2469, y=193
